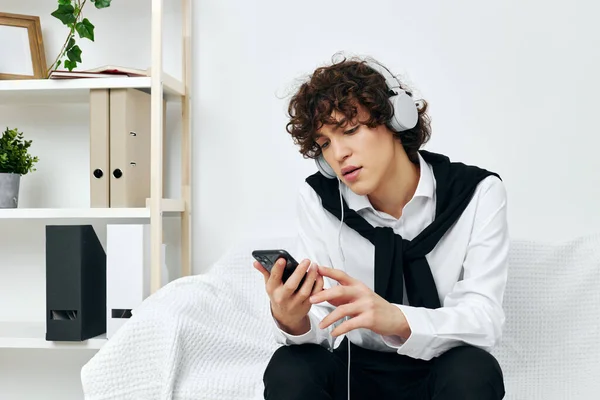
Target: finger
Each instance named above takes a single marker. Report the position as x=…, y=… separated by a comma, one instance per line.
x=320, y=282
x=276, y=274
x=293, y=281
x=349, y=325
x=309, y=282
x=345, y=310
x=337, y=275
x=336, y=295
x=258, y=266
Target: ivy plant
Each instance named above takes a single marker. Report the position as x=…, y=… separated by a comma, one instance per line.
x=14, y=153
x=70, y=13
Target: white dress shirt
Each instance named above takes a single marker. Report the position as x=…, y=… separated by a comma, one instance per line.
x=469, y=266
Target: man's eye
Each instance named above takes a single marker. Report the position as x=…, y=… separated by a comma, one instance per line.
x=351, y=131
x=324, y=145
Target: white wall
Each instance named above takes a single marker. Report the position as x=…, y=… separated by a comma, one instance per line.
x=512, y=87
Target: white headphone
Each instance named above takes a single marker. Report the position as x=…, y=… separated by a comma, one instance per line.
x=405, y=114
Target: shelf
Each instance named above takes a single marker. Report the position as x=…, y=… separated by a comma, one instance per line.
x=170, y=207
x=32, y=335
x=52, y=91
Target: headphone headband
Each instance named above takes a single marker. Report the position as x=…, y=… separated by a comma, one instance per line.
x=391, y=81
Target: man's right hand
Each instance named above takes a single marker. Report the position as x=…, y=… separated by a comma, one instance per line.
x=290, y=307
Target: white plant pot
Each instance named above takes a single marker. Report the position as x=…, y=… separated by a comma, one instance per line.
x=9, y=190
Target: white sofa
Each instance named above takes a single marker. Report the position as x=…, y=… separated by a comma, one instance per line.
x=208, y=336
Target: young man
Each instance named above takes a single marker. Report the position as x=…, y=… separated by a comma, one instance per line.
x=407, y=253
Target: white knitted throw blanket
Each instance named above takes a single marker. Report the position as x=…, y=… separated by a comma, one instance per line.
x=200, y=337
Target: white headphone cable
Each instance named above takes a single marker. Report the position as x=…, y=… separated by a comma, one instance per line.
x=344, y=268
x=341, y=223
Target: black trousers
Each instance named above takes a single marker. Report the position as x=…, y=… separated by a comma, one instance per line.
x=311, y=372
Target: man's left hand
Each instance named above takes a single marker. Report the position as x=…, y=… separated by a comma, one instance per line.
x=365, y=308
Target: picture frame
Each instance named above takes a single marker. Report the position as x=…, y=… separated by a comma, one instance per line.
x=22, y=47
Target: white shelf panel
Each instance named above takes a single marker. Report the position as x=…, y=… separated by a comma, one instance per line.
x=170, y=207
x=32, y=335
x=53, y=91
x=74, y=213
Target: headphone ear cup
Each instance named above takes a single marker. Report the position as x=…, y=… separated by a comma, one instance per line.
x=406, y=114
x=325, y=168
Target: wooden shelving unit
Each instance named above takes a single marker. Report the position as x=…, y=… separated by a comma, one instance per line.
x=160, y=86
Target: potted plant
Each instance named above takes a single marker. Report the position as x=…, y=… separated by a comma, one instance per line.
x=15, y=161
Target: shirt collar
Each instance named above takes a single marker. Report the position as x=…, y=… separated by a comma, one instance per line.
x=426, y=185
x=425, y=188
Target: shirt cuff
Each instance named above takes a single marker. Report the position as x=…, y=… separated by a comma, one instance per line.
x=415, y=345
x=308, y=337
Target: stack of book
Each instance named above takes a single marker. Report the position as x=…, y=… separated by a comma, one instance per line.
x=107, y=71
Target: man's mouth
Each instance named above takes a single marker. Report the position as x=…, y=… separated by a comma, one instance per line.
x=349, y=170
x=351, y=174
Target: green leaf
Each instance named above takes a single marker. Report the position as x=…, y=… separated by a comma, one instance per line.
x=14, y=155
x=74, y=54
x=101, y=3
x=71, y=43
x=85, y=29
x=70, y=65
x=65, y=13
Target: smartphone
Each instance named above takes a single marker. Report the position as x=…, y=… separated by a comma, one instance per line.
x=268, y=258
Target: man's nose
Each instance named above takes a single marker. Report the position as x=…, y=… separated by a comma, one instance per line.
x=340, y=151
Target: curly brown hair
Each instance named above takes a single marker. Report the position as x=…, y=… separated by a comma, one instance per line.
x=339, y=87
